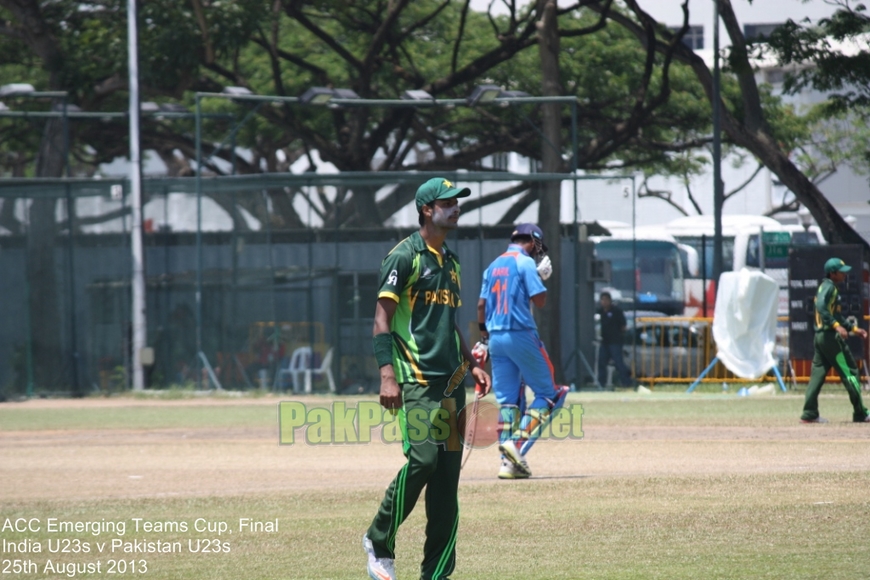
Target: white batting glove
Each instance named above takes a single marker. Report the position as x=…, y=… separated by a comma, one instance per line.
x=545, y=268
x=480, y=352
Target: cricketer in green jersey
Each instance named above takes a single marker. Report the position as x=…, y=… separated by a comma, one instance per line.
x=423, y=359
x=830, y=349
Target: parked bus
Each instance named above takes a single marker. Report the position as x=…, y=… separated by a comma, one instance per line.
x=646, y=268
x=748, y=241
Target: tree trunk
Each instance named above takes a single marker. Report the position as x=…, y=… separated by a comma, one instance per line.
x=550, y=191
x=45, y=319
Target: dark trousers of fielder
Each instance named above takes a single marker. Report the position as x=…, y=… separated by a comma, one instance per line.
x=831, y=351
x=612, y=352
x=434, y=460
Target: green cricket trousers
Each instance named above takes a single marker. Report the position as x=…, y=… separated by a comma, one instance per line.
x=832, y=351
x=433, y=448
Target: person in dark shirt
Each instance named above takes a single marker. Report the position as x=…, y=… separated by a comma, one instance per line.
x=612, y=331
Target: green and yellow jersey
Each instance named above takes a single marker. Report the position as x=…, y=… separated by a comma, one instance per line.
x=425, y=285
x=828, y=314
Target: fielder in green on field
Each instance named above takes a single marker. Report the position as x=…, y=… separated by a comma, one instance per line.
x=830, y=348
x=423, y=359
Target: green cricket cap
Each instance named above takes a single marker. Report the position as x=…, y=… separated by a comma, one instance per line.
x=438, y=188
x=836, y=265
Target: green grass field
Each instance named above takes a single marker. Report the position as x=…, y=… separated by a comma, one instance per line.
x=662, y=486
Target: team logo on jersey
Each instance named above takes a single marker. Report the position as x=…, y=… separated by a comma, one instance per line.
x=393, y=278
x=454, y=277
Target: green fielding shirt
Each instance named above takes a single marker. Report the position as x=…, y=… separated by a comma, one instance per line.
x=828, y=313
x=426, y=287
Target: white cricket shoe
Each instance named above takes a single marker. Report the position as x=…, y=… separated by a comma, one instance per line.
x=378, y=568
x=511, y=454
x=509, y=471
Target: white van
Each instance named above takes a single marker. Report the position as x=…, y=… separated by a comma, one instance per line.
x=647, y=267
x=623, y=231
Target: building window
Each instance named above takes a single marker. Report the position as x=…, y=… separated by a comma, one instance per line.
x=758, y=32
x=500, y=161
x=694, y=37
x=774, y=76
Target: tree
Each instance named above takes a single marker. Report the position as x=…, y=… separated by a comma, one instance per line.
x=830, y=57
x=744, y=121
x=286, y=47
x=836, y=139
x=615, y=113
x=794, y=133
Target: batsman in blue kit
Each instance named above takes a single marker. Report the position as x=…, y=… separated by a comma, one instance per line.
x=511, y=284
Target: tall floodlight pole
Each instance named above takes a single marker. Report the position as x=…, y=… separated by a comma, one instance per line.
x=138, y=282
x=718, y=189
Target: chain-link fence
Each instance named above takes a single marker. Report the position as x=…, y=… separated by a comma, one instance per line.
x=283, y=262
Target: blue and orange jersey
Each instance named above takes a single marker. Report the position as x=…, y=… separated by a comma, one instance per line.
x=508, y=285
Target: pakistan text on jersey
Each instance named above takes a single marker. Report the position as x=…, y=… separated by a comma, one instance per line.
x=442, y=296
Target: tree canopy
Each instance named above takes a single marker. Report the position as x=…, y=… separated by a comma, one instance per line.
x=635, y=110
x=831, y=56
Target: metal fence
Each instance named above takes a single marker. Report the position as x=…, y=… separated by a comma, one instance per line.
x=678, y=350
x=268, y=287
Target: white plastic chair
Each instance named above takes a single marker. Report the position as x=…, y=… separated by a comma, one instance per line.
x=300, y=367
x=290, y=366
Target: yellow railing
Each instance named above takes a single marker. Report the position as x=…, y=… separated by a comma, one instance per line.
x=678, y=349
x=672, y=350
